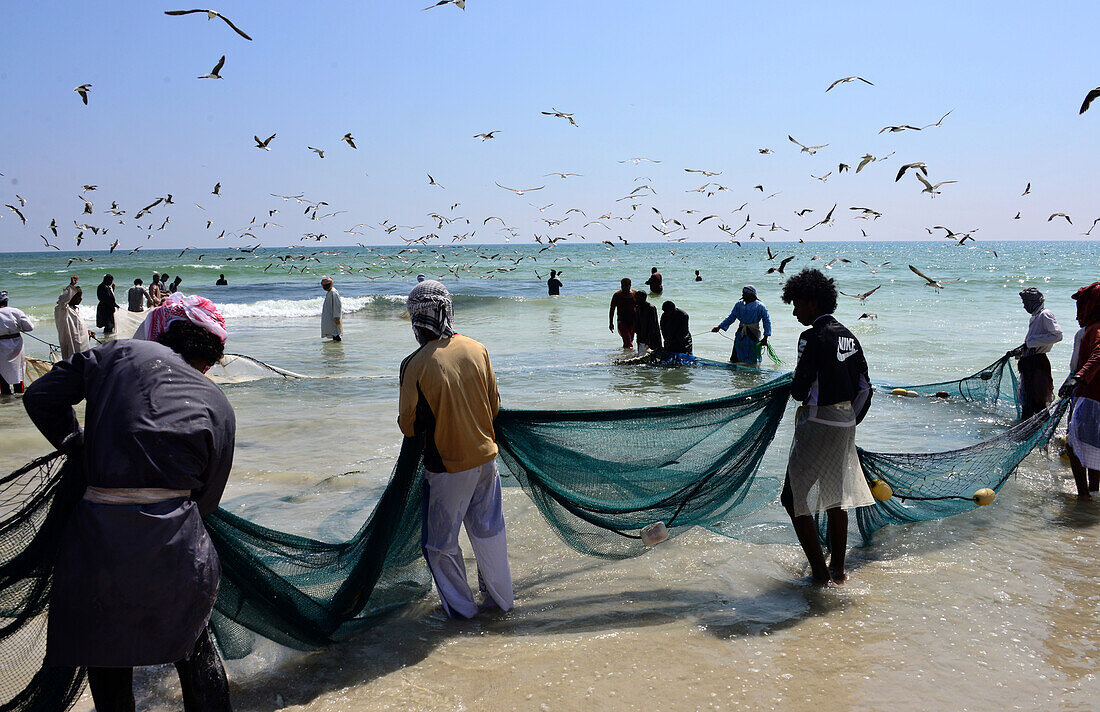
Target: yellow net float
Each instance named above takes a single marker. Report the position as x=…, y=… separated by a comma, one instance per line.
x=904, y=392
x=881, y=491
x=984, y=496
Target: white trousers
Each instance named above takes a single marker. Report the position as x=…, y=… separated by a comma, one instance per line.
x=471, y=497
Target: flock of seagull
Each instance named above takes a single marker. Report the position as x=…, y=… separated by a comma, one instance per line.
x=487, y=262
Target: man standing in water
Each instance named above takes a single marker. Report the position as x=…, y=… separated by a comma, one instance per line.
x=622, y=302
x=655, y=282
x=105, y=311
x=645, y=318
x=449, y=395
x=749, y=342
x=1036, y=381
x=72, y=335
x=136, y=295
x=331, y=311
x=553, y=285
x=136, y=573
x=1083, y=385
x=823, y=470
x=222, y=281
x=13, y=322
x=157, y=291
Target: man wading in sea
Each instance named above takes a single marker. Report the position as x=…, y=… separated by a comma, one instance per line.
x=823, y=471
x=622, y=303
x=136, y=573
x=331, y=311
x=1083, y=385
x=749, y=341
x=449, y=394
x=1036, y=381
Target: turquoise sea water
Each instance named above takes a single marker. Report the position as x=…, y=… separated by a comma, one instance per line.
x=313, y=454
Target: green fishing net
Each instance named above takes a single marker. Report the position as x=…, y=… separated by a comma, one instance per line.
x=597, y=477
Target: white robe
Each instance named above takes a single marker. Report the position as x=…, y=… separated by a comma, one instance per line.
x=331, y=312
x=72, y=335
x=12, y=362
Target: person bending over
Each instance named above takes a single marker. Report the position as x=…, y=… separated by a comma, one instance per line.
x=675, y=329
x=448, y=393
x=136, y=574
x=649, y=330
x=831, y=381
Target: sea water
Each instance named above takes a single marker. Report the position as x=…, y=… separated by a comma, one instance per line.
x=994, y=608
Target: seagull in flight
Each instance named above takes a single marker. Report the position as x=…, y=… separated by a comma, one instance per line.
x=487, y=136
x=318, y=151
x=896, y=129
x=1088, y=99
x=348, y=139
x=828, y=219
x=431, y=181
x=862, y=297
x=848, y=79
x=919, y=166
x=1059, y=215
x=638, y=160
x=82, y=90
x=806, y=149
x=563, y=175
x=929, y=282
x=461, y=4
x=210, y=15
x=1027, y=190
x=214, y=72
x=937, y=124
x=782, y=265
x=929, y=188
x=520, y=191
x=560, y=115
x=264, y=144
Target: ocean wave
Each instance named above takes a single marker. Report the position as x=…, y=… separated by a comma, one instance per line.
x=204, y=266
x=300, y=308
x=26, y=274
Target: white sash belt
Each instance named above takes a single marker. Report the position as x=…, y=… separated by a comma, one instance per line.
x=132, y=495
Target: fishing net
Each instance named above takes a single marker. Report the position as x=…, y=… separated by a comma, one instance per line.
x=233, y=368
x=996, y=384
x=238, y=368
x=935, y=485
x=35, y=502
x=599, y=477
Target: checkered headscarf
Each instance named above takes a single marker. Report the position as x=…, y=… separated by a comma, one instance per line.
x=431, y=309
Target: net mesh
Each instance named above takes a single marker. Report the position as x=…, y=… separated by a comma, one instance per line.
x=935, y=485
x=597, y=477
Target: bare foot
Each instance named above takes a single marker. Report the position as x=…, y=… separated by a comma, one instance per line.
x=824, y=583
x=1084, y=497
x=839, y=577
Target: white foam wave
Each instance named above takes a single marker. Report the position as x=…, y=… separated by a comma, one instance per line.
x=205, y=266
x=26, y=274
x=300, y=308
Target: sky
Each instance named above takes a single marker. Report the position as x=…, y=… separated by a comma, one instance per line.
x=694, y=85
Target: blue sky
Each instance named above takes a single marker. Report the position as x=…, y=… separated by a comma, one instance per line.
x=698, y=85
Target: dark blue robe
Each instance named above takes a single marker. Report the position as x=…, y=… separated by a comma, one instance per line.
x=135, y=584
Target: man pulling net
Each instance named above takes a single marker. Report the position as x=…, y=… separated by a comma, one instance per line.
x=136, y=574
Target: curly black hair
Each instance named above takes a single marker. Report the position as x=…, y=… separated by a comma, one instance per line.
x=191, y=341
x=812, y=284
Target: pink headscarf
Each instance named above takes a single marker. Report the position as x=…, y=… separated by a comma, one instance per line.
x=198, y=310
